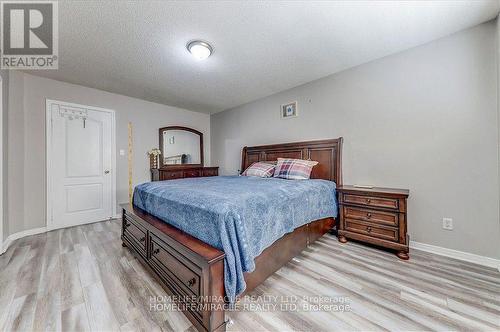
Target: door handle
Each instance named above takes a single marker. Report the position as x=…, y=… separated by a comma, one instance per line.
x=106, y=171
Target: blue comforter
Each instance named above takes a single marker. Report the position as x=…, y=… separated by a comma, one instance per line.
x=238, y=214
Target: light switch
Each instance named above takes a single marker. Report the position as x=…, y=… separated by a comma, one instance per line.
x=122, y=152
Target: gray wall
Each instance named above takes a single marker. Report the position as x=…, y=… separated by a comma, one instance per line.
x=5, y=105
x=498, y=116
x=15, y=158
x=26, y=140
x=424, y=119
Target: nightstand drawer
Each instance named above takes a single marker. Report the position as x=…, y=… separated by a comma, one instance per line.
x=372, y=216
x=389, y=203
x=366, y=228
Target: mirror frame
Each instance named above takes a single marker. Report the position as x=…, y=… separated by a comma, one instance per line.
x=194, y=131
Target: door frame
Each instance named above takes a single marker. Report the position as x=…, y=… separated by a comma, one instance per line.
x=48, y=152
x=2, y=184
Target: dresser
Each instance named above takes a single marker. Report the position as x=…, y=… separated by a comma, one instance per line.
x=376, y=216
x=171, y=173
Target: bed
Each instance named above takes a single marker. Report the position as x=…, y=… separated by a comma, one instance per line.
x=209, y=239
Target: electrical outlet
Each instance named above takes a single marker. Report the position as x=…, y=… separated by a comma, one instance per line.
x=448, y=224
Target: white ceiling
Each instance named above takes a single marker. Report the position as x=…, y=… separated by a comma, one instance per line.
x=137, y=48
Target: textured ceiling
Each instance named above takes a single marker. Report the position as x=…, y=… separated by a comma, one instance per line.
x=138, y=48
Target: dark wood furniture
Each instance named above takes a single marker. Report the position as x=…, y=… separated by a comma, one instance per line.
x=328, y=154
x=171, y=172
x=186, y=267
x=375, y=215
x=179, y=171
x=193, y=271
x=189, y=130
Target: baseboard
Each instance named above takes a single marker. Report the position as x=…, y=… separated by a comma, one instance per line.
x=460, y=255
x=11, y=238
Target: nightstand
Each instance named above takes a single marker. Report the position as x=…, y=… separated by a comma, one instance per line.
x=374, y=215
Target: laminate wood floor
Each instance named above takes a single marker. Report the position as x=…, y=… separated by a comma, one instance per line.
x=80, y=279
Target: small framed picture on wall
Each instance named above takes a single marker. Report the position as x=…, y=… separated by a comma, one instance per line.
x=289, y=110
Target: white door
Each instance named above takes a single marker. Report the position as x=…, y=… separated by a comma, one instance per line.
x=1, y=167
x=79, y=164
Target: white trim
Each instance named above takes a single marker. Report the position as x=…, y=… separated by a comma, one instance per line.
x=460, y=255
x=48, y=166
x=11, y=238
x=48, y=146
x=35, y=231
x=67, y=225
x=498, y=109
x=1, y=165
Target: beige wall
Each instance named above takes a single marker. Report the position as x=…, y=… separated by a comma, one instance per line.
x=26, y=140
x=424, y=119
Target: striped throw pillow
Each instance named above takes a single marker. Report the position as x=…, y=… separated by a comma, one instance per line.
x=260, y=169
x=294, y=169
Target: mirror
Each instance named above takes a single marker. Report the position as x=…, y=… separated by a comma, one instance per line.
x=180, y=146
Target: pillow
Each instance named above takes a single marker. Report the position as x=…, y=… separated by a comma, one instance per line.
x=294, y=169
x=260, y=169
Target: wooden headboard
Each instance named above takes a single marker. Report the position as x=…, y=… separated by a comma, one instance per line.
x=327, y=152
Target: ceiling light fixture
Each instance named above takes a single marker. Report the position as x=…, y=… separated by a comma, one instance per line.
x=199, y=49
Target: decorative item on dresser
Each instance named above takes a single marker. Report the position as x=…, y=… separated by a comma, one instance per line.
x=181, y=155
x=374, y=215
x=153, y=157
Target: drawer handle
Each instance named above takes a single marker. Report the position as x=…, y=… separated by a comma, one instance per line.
x=156, y=251
x=127, y=225
x=369, y=229
x=142, y=239
x=191, y=282
x=368, y=201
x=368, y=215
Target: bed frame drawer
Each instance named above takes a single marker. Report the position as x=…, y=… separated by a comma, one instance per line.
x=135, y=234
x=187, y=268
x=186, y=274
